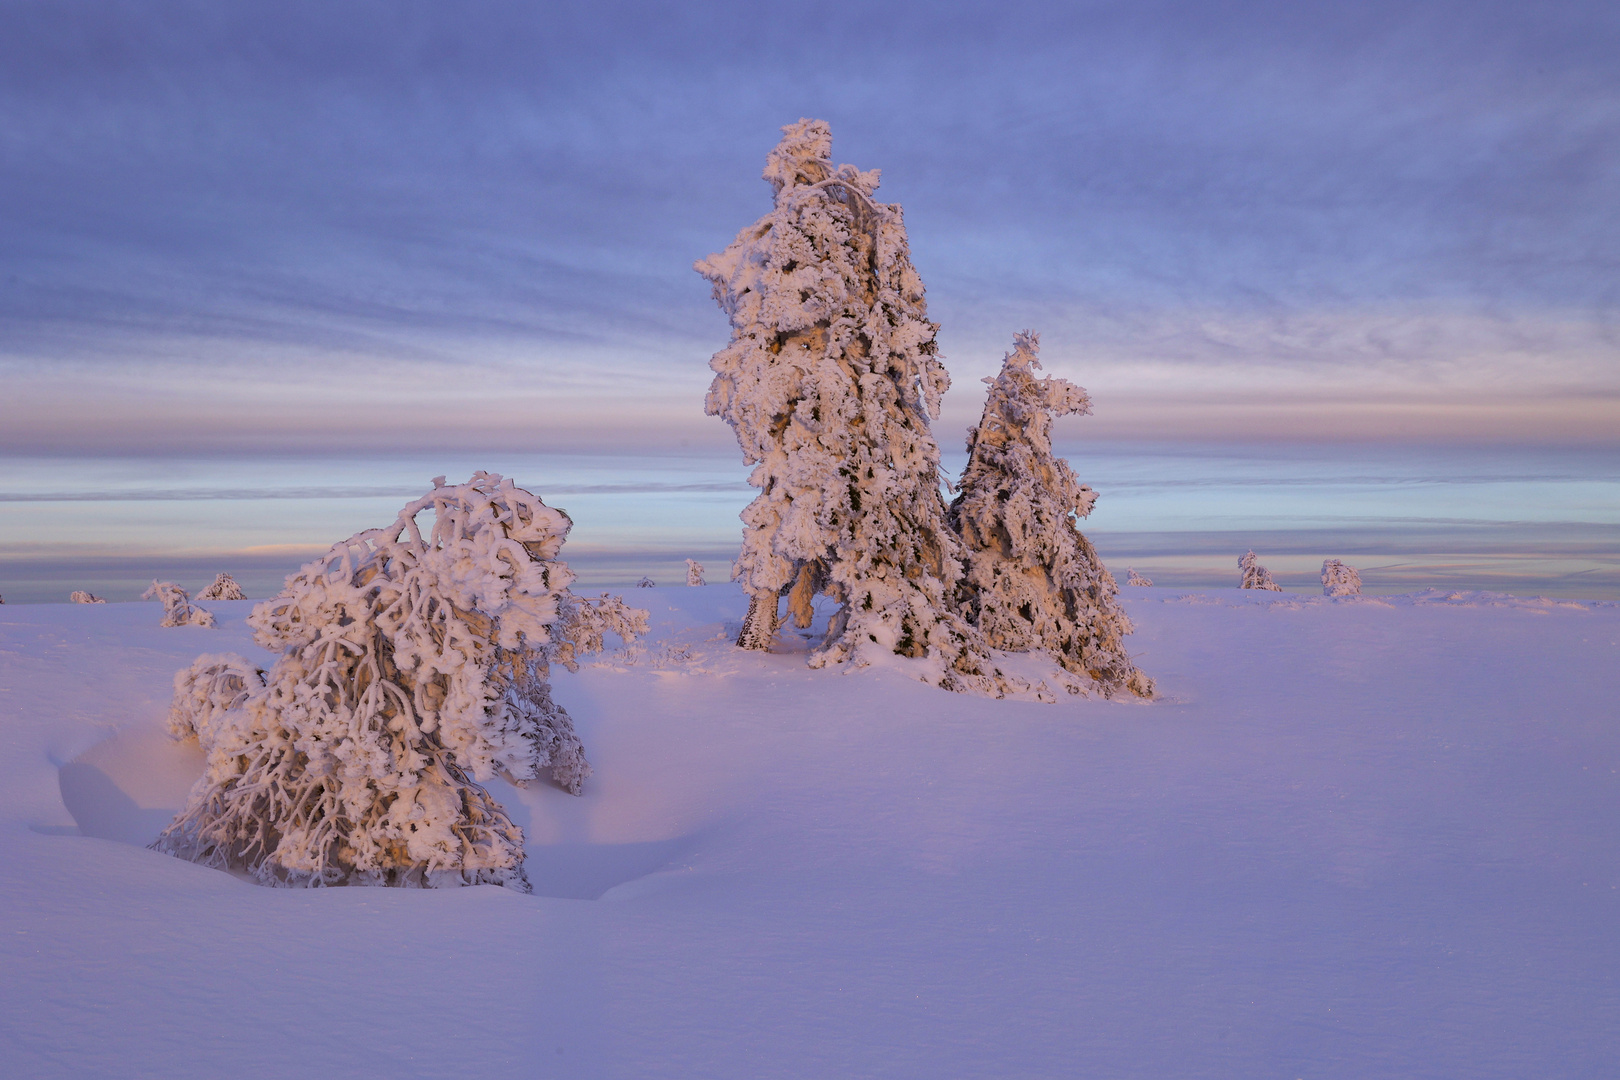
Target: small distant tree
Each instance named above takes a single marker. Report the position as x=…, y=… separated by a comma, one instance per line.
x=694, y=572
x=1339, y=579
x=830, y=381
x=1133, y=578
x=79, y=596
x=1033, y=580
x=177, y=607
x=410, y=668
x=646, y=583
x=223, y=588
x=1256, y=576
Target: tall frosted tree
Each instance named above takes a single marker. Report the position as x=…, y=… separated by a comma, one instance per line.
x=830, y=381
x=1033, y=580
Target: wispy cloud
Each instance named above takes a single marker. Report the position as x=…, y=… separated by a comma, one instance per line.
x=343, y=222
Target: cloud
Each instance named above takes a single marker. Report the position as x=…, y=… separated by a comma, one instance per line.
x=376, y=202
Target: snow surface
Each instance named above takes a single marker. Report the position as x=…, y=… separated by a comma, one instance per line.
x=1357, y=837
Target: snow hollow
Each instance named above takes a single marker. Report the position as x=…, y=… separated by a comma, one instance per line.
x=1356, y=837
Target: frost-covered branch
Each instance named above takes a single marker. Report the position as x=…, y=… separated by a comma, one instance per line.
x=79, y=596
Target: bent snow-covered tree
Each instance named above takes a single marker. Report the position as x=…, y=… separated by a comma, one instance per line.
x=830, y=381
x=1255, y=576
x=223, y=588
x=177, y=606
x=1339, y=579
x=411, y=666
x=1033, y=580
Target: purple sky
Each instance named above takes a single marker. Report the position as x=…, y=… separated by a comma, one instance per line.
x=341, y=224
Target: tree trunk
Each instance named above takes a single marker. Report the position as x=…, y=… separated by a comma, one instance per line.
x=801, y=599
x=759, y=627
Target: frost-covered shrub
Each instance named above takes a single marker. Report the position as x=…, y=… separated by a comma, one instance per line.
x=177, y=606
x=1339, y=579
x=1033, y=581
x=79, y=596
x=830, y=381
x=694, y=572
x=223, y=588
x=646, y=583
x=409, y=668
x=1255, y=576
x=1133, y=578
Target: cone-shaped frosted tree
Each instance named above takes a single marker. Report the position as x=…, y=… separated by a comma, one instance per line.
x=830, y=381
x=1255, y=576
x=411, y=666
x=1033, y=580
x=223, y=588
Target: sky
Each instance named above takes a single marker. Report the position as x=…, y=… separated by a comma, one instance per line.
x=324, y=227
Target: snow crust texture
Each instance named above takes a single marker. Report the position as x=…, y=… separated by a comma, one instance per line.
x=223, y=588
x=177, y=607
x=1033, y=581
x=410, y=667
x=830, y=381
x=1255, y=576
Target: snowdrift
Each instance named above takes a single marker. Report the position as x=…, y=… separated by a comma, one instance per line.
x=1354, y=837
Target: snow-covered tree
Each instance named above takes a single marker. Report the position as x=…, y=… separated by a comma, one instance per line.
x=223, y=588
x=1256, y=576
x=1033, y=580
x=694, y=572
x=410, y=668
x=830, y=381
x=177, y=607
x=1339, y=579
x=646, y=583
x=1133, y=578
x=79, y=596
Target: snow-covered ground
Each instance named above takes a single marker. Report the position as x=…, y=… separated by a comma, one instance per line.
x=1358, y=838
